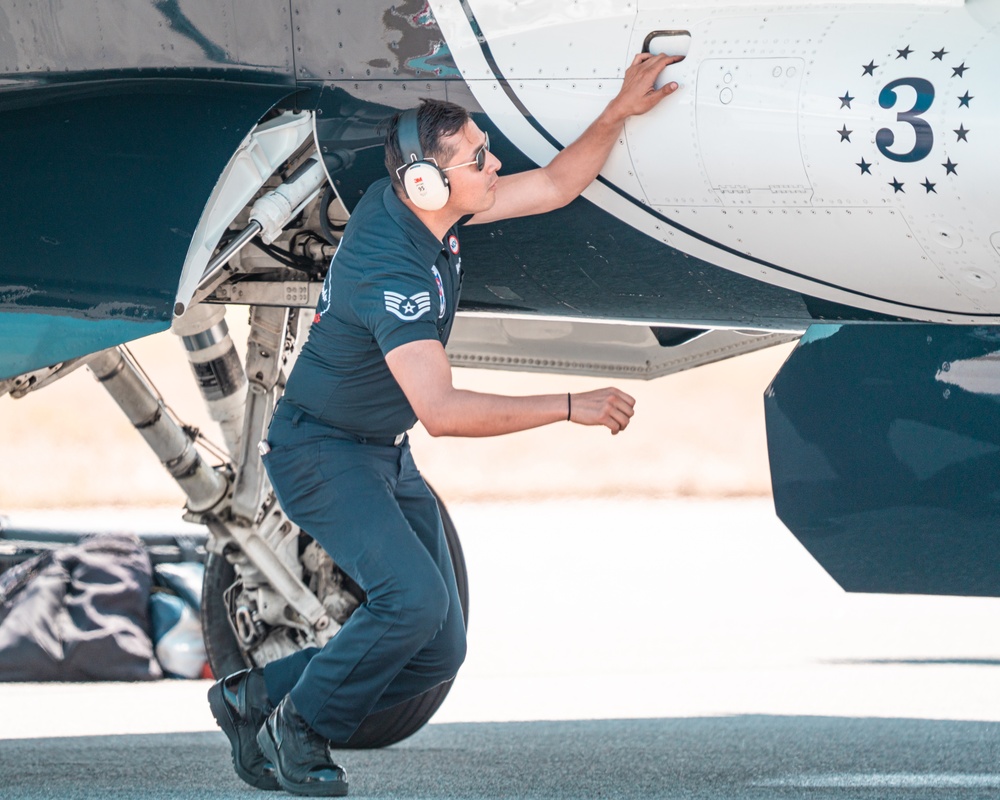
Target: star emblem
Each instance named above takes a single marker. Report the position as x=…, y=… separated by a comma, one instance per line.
x=884, y=138
x=407, y=308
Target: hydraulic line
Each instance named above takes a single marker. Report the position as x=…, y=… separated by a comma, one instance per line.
x=271, y=213
x=203, y=485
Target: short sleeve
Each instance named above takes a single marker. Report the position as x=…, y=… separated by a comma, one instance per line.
x=396, y=305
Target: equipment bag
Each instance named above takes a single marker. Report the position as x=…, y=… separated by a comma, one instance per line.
x=79, y=613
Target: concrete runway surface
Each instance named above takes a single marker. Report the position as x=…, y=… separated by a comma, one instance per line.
x=674, y=649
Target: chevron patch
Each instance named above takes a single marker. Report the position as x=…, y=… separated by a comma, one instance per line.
x=407, y=308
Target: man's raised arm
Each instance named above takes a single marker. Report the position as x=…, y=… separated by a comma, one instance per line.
x=575, y=167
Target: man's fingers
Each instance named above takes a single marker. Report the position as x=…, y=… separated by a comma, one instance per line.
x=626, y=398
x=617, y=424
x=620, y=416
x=658, y=62
x=644, y=63
x=667, y=61
x=614, y=426
x=614, y=422
x=638, y=93
x=619, y=410
x=609, y=407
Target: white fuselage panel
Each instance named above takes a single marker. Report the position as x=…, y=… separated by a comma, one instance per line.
x=839, y=150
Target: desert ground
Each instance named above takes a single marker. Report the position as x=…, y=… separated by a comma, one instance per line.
x=698, y=433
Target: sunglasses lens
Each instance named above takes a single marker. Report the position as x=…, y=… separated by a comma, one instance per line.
x=481, y=155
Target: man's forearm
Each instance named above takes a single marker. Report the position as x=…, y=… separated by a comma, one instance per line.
x=575, y=167
x=465, y=413
x=422, y=371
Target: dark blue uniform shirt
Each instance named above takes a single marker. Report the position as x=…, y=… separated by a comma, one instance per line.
x=391, y=282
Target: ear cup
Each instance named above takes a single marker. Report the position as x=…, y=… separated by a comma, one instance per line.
x=426, y=186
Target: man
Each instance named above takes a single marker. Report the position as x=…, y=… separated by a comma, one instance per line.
x=339, y=462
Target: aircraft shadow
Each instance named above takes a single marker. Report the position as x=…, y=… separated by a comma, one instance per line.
x=725, y=758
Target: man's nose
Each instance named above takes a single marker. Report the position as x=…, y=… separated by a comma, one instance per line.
x=493, y=163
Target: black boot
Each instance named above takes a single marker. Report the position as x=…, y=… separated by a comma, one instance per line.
x=301, y=757
x=240, y=706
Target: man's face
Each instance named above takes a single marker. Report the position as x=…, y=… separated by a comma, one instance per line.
x=472, y=190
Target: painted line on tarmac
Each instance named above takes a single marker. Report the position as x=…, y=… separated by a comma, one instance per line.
x=890, y=780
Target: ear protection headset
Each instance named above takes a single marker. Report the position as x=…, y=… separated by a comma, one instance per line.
x=423, y=181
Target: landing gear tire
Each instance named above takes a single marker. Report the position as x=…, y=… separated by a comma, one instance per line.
x=378, y=730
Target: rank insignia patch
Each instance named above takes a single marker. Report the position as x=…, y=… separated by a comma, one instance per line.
x=408, y=308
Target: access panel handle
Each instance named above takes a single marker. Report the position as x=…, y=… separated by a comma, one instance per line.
x=671, y=43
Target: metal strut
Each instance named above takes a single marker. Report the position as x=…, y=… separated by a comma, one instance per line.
x=204, y=486
x=207, y=488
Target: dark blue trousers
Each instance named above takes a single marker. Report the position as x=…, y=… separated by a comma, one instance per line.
x=369, y=508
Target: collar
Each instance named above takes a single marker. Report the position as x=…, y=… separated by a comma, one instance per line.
x=419, y=234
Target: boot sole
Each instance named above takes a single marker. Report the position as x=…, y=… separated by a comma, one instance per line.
x=223, y=718
x=312, y=789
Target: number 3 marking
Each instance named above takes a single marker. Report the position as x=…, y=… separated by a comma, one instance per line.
x=922, y=131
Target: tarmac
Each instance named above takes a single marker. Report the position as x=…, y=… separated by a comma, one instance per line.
x=621, y=649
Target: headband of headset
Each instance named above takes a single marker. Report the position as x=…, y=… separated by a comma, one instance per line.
x=424, y=183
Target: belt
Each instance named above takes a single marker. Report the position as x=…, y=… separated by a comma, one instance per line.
x=285, y=410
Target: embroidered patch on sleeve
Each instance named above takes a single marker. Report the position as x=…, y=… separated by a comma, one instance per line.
x=408, y=308
x=442, y=306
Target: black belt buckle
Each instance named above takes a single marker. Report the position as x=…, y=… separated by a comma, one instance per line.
x=382, y=441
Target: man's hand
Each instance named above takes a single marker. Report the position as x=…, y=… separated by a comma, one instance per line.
x=638, y=93
x=609, y=407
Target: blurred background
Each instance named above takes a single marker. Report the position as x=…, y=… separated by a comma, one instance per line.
x=698, y=433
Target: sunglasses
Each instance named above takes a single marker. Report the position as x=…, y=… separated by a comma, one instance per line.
x=479, y=161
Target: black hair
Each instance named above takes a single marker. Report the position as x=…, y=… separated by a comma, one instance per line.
x=436, y=120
